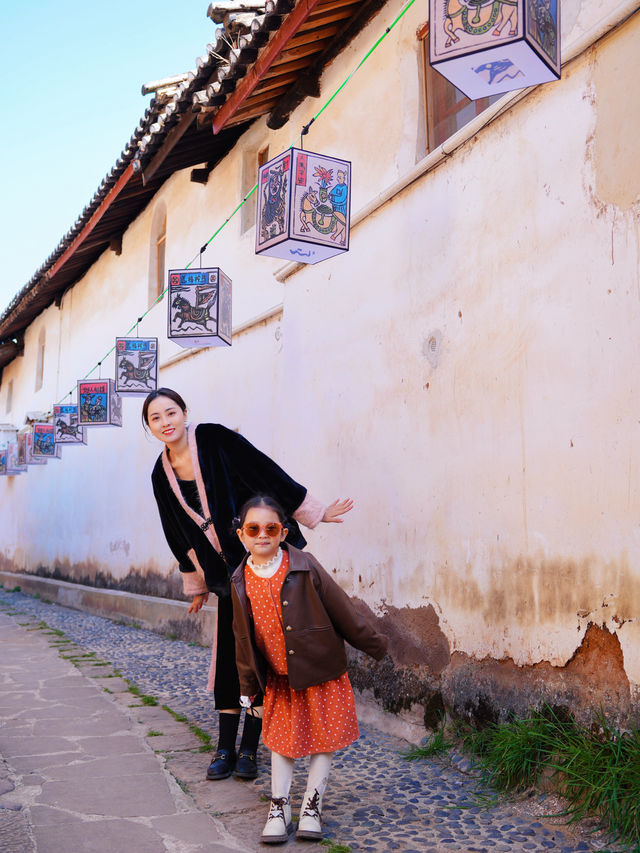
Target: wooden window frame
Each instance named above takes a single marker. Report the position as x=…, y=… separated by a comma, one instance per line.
x=42, y=342
x=437, y=88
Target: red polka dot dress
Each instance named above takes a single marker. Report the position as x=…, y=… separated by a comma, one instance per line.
x=321, y=718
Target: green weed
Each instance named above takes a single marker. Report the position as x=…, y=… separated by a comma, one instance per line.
x=154, y=733
x=333, y=847
x=437, y=743
x=179, y=718
x=595, y=769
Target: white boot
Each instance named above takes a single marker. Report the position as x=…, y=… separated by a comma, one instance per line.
x=309, y=825
x=278, y=826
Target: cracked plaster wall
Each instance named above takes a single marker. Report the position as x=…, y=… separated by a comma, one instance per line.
x=466, y=372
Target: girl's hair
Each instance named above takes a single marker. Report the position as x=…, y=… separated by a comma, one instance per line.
x=161, y=392
x=260, y=500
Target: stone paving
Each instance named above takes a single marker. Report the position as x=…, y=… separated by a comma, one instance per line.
x=376, y=800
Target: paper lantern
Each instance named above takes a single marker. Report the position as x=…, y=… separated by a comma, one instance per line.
x=67, y=431
x=304, y=205
x=98, y=403
x=25, y=446
x=199, y=308
x=44, y=442
x=22, y=448
x=486, y=47
x=13, y=466
x=136, y=366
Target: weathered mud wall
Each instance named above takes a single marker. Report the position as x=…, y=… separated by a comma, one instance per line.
x=465, y=372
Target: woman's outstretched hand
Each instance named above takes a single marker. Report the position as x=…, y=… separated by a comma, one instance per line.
x=198, y=601
x=336, y=509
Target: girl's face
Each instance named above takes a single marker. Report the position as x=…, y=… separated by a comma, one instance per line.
x=262, y=547
x=166, y=420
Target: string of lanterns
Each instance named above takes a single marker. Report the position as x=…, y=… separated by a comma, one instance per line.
x=303, y=211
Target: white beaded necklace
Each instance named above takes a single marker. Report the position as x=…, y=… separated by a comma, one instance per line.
x=265, y=569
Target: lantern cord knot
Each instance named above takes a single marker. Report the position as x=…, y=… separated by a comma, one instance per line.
x=206, y=525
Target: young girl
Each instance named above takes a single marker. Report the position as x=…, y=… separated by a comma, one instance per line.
x=290, y=622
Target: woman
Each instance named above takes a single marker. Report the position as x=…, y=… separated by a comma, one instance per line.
x=201, y=480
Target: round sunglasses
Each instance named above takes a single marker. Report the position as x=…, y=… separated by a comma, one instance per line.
x=272, y=529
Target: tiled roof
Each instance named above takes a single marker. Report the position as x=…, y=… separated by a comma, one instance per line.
x=265, y=61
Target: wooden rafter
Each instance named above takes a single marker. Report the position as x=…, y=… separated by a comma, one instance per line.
x=280, y=39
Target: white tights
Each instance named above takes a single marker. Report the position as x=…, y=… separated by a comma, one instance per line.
x=282, y=773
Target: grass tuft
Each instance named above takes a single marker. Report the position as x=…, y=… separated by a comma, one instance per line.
x=437, y=743
x=595, y=769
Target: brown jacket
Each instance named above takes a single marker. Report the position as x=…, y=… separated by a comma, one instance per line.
x=318, y=616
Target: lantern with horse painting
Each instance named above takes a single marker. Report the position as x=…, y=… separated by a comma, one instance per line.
x=199, y=308
x=486, y=47
x=67, y=430
x=304, y=204
x=44, y=442
x=136, y=366
x=98, y=403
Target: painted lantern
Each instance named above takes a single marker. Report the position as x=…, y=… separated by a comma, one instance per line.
x=199, y=308
x=67, y=430
x=304, y=204
x=13, y=465
x=44, y=442
x=25, y=440
x=136, y=366
x=486, y=47
x=98, y=403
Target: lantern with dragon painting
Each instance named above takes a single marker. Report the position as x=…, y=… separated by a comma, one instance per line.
x=303, y=207
x=199, y=308
x=486, y=47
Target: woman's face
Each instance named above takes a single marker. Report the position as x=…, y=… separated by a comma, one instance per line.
x=166, y=420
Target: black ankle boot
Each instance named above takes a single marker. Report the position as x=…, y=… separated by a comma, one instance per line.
x=247, y=767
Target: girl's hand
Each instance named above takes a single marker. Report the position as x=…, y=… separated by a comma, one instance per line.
x=198, y=601
x=336, y=509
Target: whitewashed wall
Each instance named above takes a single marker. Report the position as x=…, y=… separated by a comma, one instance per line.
x=467, y=372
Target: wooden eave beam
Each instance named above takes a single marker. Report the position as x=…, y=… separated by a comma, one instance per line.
x=95, y=218
x=266, y=58
x=173, y=137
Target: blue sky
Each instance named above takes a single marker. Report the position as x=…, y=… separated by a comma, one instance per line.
x=72, y=73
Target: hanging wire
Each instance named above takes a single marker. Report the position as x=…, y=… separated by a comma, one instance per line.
x=303, y=132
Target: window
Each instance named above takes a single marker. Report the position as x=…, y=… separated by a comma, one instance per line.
x=9, y=396
x=251, y=162
x=157, y=252
x=40, y=360
x=447, y=109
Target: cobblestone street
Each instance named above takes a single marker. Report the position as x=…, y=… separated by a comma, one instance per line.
x=376, y=800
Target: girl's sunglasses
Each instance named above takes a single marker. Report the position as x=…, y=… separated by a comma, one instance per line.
x=273, y=528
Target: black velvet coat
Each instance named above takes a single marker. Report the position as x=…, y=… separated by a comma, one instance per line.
x=232, y=470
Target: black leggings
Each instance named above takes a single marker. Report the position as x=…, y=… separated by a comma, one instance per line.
x=226, y=688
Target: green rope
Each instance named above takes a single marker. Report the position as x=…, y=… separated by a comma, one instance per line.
x=305, y=130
